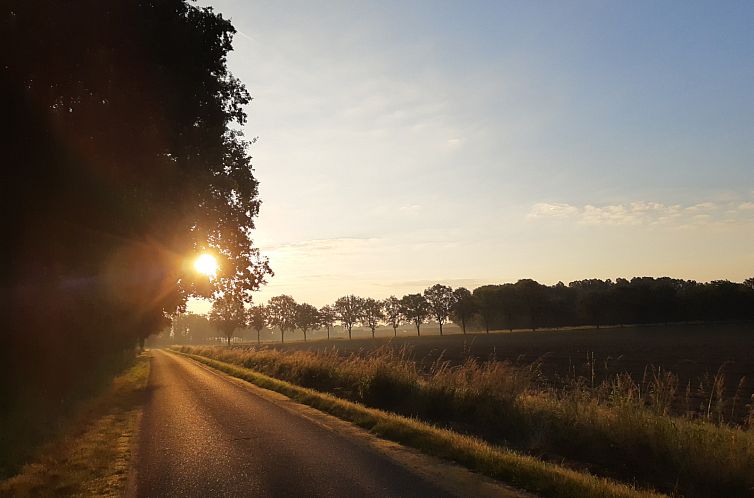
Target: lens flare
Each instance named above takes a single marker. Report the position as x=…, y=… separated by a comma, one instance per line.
x=206, y=264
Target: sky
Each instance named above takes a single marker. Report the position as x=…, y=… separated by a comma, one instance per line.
x=403, y=144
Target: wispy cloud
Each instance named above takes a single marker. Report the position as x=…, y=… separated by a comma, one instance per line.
x=646, y=213
x=320, y=245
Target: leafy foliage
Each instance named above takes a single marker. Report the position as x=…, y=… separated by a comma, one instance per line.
x=393, y=314
x=307, y=317
x=281, y=313
x=371, y=313
x=122, y=164
x=257, y=318
x=228, y=314
x=327, y=318
x=348, y=310
x=440, y=302
x=415, y=308
x=463, y=307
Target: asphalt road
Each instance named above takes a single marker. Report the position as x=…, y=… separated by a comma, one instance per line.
x=205, y=435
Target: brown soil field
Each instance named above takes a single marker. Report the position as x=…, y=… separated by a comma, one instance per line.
x=690, y=351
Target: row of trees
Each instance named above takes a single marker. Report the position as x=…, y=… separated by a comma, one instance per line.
x=284, y=313
x=524, y=304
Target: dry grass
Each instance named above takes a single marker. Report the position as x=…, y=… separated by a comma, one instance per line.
x=92, y=457
x=619, y=428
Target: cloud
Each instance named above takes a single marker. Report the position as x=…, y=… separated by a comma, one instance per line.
x=319, y=245
x=548, y=210
x=643, y=213
x=410, y=208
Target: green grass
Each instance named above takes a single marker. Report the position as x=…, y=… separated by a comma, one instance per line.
x=91, y=456
x=619, y=429
x=521, y=470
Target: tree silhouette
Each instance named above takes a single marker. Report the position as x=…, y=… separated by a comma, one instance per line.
x=440, y=301
x=123, y=161
x=327, y=318
x=486, y=301
x=348, y=311
x=281, y=313
x=463, y=307
x=415, y=308
x=257, y=319
x=371, y=313
x=393, y=315
x=228, y=314
x=307, y=317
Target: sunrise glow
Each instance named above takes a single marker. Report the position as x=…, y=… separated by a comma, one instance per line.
x=206, y=264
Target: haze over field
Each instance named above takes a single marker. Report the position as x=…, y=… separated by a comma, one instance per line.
x=403, y=144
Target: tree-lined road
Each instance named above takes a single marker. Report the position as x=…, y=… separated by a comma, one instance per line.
x=203, y=434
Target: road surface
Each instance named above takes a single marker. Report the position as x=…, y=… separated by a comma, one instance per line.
x=203, y=434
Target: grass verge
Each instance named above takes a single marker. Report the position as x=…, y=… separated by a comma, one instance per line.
x=520, y=470
x=92, y=457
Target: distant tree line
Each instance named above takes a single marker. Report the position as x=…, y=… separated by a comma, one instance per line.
x=524, y=304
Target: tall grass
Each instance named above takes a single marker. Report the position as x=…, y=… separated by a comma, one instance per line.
x=620, y=428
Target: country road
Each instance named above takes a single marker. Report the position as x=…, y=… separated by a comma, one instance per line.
x=203, y=434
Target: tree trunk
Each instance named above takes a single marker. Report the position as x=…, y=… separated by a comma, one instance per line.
x=395, y=331
x=258, y=340
x=440, y=328
x=373, y=333
x=282, y=336
x=228, y=337
x=328, y=333
x=463, y=325
x=304, y=335
x=349, y=333
x=418, y=332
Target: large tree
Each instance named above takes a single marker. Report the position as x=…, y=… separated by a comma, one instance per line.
x=258, y=319
x=281, y=313
x=463, y=307
x=228, y=314
x=123, y=162
x=371, y=313
x=348, y=311
x=327, y=318
x=415, y=308
x=307, y=317
x=393, y=315
x=440, y=301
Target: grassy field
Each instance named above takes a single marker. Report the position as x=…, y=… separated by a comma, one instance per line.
x=90, y=456
x=616, y=425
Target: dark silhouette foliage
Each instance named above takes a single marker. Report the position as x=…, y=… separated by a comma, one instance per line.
x=120, y=165
x=416, y=309
x=641, y=300
x=307, y=317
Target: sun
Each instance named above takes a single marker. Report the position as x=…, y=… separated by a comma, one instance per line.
x=206, y=264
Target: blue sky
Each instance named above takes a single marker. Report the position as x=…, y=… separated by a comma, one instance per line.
x=407, y=143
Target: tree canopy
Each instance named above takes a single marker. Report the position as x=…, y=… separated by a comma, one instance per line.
x=281, y=313
x=124, y=162
x=228, y=314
